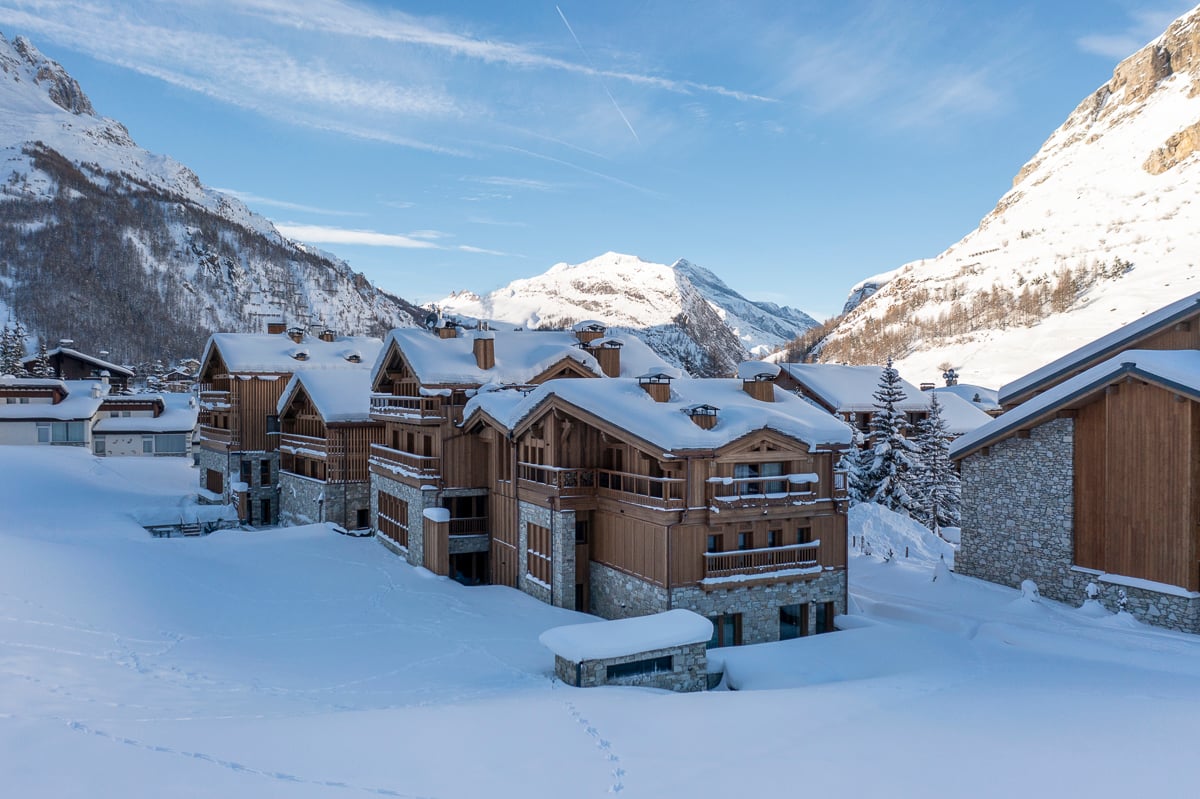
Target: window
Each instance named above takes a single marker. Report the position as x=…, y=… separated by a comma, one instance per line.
x=793, y=621
x=170, y=443
x=244, y=472
x=824, y=620
x=98, y=445
x=126, y=414
x=714, y=544
x=636, y=668
x=113, y=414
x=272, y=425
x=744, y=540
x=363, y=518
x=727, y=630
x=804, y=535
x=743, y=471
x=582, y=530
x=774, y=538
x=147, y=445
x=43, y=432
x=538, y=553
x=60, y=432
x=24, y=401
x=264, y=509
x=264, y=472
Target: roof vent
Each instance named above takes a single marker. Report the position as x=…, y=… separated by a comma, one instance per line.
x=758, y=379
x=704, y=416
x=657, y=384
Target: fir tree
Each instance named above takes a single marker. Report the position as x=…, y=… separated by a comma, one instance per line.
x=854, y=462
x=938, y=489
x=887, y=476
x=12, y=350
x=41, y=366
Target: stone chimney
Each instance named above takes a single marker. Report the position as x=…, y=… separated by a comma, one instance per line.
x=758, y=379
x=484, y=347
x=703, y=416
x=657, y=384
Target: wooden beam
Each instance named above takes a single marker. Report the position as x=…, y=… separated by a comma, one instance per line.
x=1067, y=413
x=1023, y=433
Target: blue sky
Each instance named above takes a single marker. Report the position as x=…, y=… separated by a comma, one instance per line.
x=791, y=147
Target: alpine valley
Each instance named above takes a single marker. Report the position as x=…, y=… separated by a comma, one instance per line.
x=1101, y=226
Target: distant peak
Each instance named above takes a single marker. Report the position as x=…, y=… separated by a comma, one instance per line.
x=61, y=88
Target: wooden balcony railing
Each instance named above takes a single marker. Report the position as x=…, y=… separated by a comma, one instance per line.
x=389, y=406
x=763, y=561
x=303, y=445
x=469, y=525
x=418, y=467
x=216, y=434
x=215, y=400
x=762, y=491
x=666, y=493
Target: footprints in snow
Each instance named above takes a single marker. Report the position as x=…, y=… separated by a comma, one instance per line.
x=604, y=746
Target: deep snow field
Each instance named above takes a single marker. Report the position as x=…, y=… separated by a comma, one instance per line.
x=299, y=662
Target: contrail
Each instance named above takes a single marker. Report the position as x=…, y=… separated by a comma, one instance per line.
x=579, y=44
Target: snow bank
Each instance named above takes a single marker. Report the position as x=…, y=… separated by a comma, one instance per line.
x=883, y=529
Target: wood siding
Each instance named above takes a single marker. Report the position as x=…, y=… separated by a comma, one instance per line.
x=1134, y=495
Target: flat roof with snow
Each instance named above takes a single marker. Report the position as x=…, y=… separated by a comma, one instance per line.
x=623, y=637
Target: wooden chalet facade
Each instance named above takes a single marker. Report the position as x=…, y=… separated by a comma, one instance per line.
x=1095, y=476
x=325, y=436
x=242, y=377
x=71, y=364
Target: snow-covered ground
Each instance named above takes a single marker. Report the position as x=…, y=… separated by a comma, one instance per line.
x=298, y=662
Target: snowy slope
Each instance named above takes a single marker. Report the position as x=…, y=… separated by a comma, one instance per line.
x=301, y=663
x=1109, y=196
x=683, y=311
x=211, y=263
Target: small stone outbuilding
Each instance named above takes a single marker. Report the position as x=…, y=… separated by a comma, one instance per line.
x=663, y=650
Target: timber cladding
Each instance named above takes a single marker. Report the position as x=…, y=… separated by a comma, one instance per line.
x=1136, y=477
x=253, y=400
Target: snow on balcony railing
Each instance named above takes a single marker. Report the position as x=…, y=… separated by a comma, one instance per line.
x=766, y=560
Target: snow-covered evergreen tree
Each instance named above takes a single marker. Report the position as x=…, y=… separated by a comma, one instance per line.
x=41, y=366
x=937, y=487
x=12, y=350
x=886, y=479
x=854, y=462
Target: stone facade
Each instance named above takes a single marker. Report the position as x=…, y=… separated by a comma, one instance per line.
x=689, y=670
x=1018, y=512
x=418, y=501
x=1018, y=524
x=561, y=524
x=305, y=500
x=616, y=595
x=256, y=491
x=206, y=460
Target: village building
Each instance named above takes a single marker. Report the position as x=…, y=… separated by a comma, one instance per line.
x=145, y=424
x=325, y=435
x=67, y=363
x=49, y=411
x=848, y=392
x=242, y=377
x=1094, y=478
x=634, y=496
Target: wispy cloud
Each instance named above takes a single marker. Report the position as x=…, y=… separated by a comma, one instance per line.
x=1143, y=26
x=482, y=251
x=321, y=234
x=255, y=199
x=514, y=183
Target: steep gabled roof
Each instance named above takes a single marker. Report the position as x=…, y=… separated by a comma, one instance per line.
x=850, y=389
x=338, y=395
x=1103, y=347
x=1174, y=370
x=276, y=353
x=98, y=363
x=520, y=355
x=664, y=425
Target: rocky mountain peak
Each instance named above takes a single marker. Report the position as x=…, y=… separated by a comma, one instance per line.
x=62, y=89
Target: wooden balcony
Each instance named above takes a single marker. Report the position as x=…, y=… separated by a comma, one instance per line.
x=216, y=435
x=770, y=491
x=794, y=561
x=413, y=469
x=663, y=493
x=297, y=444
x=388, y=407
x=470, y=525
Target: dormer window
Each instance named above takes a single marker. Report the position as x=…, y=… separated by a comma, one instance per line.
x=300, y=355
x=704, y=416
x=354, y=357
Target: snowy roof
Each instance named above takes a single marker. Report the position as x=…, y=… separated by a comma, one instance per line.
x=850, y=389
x=751, y=370
x=1102, y=347
x=625, y=404
x=520, y=355
x=82, y=401
x=93, y=360
x=1177, y=370
x=621, y=637
x=178, y=416
x=276, y=352
x=339, y=395
x=961, y=416
x=988, y=397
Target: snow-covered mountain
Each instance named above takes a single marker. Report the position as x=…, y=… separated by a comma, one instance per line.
x=683, y=311
x=1101, y=226
x=122, y=249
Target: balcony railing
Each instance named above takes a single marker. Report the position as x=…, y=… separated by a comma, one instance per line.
x=765, y=561
x=219, y=435
x=666, y=493
x=761, y=491
x=215, y=400
x=418, y=467
x=297, y=444
x=406, y=408
x=469, y=525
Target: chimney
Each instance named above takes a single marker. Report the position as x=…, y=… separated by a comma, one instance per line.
x=447, y=328
x=657, y=385
x=608, y=353
x=758, y=379
x=704, y=416
x=589, y=331
x=296, y=334
x=328, y=335
x=484, y=347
